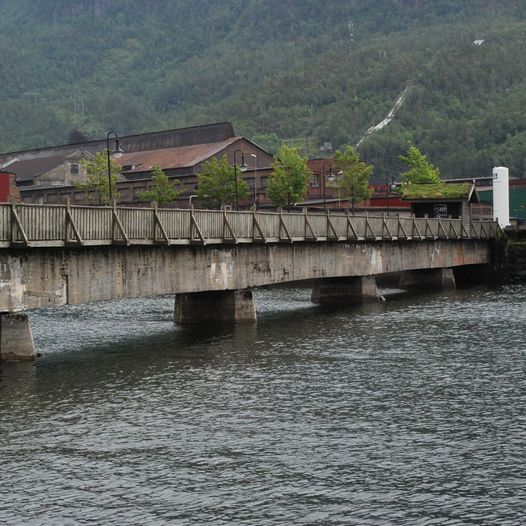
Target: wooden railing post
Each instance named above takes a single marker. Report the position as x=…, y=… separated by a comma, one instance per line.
x=57, y=225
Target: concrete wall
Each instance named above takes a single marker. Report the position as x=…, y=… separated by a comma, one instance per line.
x=34, y=278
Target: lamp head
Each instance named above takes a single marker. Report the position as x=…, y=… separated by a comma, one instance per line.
x=244, y=166
x=117, y=151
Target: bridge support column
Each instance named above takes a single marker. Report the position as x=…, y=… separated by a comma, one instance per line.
x=345, y=290
x=229, y=306
x=433, y=279
x=16, y=340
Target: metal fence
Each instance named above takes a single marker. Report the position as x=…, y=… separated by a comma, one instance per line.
x=29, y=225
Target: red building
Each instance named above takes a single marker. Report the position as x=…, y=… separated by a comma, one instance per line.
x=9, y=193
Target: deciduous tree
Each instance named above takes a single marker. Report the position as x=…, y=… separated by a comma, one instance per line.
x=421, y=171
x=162, y=190
x=353, y=179
x=97, y=176
x=288, y=182
x=216, y=183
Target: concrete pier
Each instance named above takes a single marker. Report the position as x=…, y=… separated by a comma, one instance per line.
x=429, y=279
x=229, y=306
x=16, y=339
x=345, y=290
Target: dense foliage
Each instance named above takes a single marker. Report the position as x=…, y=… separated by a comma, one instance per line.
x=162, y=190
x=303, y=72
x=420, y=170
x=219, y=183
x=288, y=182
x=98, y=179
x=353, y=176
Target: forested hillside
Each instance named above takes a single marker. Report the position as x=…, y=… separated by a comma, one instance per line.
x=305, y=71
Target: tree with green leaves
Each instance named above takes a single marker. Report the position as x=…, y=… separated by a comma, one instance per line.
x=216, y=183
x=162, y=190
x=97, y=176
x=421, y=171
x=288, y=182
x=353, y=179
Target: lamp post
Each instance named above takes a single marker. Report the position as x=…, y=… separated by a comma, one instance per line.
x=243, y=166
x=387, y=188
x=117, y=150
x=326, y=176
x=387, y=194
x=256, y=186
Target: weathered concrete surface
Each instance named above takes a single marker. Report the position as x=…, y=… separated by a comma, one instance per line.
x=345, y=290
x=16, y=339
x=434, y=279
x=230, y=306
x=34, y=278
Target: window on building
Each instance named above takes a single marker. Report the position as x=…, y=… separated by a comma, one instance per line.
x=74, y=168
x=440, y=210
x=315, y=180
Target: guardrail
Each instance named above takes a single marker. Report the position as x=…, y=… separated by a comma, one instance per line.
x=28, y=225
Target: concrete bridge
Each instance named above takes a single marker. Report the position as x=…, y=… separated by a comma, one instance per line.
x=57, y=255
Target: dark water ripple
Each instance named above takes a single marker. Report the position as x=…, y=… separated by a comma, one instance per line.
x=408, y=412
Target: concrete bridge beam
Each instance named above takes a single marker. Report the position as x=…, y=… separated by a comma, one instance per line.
x=357, y=289
x=228, y=306
x=428, y=279
x=16, y=339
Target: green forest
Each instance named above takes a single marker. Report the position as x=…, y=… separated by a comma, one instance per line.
x=301, y=72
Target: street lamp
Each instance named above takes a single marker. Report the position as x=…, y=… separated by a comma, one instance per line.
x=387, y=187
x=255, y=179
x=326, y=176
x=243, y=167
x=116, y=151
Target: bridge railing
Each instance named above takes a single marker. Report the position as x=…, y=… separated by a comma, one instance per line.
x=61, y=225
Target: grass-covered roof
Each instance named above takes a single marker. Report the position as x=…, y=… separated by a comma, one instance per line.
x=436, y=191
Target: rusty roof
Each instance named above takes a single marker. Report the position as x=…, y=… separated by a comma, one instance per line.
x=171, y=158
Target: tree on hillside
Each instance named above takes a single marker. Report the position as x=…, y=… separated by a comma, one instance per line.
x=162, y=190
x=97, y=176
x=353, y=181
x=288, y=182
x=421, y=171
x=77, y=136
x=216, y=184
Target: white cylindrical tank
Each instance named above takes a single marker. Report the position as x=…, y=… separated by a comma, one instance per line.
x=501, y=196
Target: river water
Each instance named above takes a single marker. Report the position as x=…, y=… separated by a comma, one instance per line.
x=406, y=412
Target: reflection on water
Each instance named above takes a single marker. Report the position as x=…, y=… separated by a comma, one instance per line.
x=404, y=412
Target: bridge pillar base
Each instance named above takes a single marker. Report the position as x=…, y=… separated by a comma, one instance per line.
x=345, y=290
x=229, y=306
x=16, y=339
x=433, y=279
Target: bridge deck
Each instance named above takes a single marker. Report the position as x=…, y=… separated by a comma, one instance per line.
x=25, y=225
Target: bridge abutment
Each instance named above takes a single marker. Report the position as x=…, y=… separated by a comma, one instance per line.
x=228, y=306
x=357, y=289
x=16, y=339
x=429, y=279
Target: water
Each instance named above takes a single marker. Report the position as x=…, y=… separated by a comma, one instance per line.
x=407, y=412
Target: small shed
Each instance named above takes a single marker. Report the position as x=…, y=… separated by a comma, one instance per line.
x=441, y=200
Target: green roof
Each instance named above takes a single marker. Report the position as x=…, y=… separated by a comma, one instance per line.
x=436, y=192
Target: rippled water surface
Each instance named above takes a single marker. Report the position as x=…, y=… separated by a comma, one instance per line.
x=407, y=412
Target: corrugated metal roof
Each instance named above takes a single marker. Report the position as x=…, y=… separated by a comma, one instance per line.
x=171, y=158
